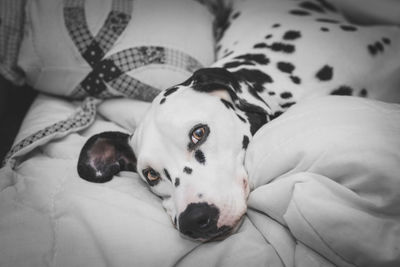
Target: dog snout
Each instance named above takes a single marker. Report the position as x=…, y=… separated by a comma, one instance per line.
x=199, y=221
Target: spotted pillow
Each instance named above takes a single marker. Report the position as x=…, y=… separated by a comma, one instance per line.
x=77, y=48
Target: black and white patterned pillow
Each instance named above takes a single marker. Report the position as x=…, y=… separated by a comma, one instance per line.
x=130, y=48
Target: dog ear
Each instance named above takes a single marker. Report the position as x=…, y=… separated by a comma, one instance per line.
x=105, y=155
x=211, y=79
x=215, y=80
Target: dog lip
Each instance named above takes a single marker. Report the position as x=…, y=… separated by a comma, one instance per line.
x=222, y=233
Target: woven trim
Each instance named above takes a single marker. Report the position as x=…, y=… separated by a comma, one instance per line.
x=81, y=119
x=111, y=71
x=133, y=88
x=93, y=48
x=11, y=31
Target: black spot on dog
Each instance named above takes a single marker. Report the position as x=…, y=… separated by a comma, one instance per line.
x=170, y=91
x=223, y=22
x=200, y=195
x=227, y=54
x=286, y=95
x=256, y=120
x=276, y=25
x=227, y=104
x=342, y=90
x=167, y=175
x=276, y=115
x=241, y=118
x=327, y=21
x=162, y=101
x=245, y=142
x=256, y=78
x=325, y=73
x=257, y=58
x=386, y=40
x=363, y=92
x=327, y=5
x=372, y=50
x=281, y=47
x=191, y=146
x=218, y=48
x=248, y=63
x=379, y=46
x=188, y=170
x=295, y=79
x=376, y=48
x=299, y=12
x=268, y=36
x=235, y=64
x=260, y=45
x=288, y=104
x=177, y=182
x=285, y=67
x=200, y=157
x=324, y=29
x=291, y=35
x=210, y=79
x=348, y=28
x=232, y=64
x=236, y=15
x=271, y=93
x=312, y=7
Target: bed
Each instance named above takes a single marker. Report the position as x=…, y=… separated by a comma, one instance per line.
x=325, y=175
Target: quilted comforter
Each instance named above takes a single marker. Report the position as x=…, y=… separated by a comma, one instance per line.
x=325, y=180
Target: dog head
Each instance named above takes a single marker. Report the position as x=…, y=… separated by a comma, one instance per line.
x=190, y=149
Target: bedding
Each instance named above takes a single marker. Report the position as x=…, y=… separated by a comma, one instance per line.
x=11, y=24
x=324, y=175
x=110, y=48
x=316, y=200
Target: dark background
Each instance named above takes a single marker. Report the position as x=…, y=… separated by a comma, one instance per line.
x=14, y=103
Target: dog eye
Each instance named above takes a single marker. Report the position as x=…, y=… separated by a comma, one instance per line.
x=198, y=134
x=151, y=175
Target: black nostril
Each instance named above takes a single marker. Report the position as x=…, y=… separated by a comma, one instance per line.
x=204, y=222
x=199, y=220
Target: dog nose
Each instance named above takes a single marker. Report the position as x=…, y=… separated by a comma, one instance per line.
x=199, y=221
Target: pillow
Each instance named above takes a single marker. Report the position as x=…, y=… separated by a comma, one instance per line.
x=370, y=11
x=328, y=170
x=109, y=48
x=11, y=26
x=348, y=139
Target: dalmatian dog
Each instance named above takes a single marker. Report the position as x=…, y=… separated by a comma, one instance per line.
x=190, y=146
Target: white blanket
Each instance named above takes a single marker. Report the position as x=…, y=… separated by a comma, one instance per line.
x=325, y=177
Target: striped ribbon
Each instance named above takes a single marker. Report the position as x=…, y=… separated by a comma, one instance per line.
x=112, y=70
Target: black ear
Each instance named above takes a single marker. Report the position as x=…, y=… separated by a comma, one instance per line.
x=105, y=155
x=212, y=79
